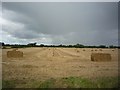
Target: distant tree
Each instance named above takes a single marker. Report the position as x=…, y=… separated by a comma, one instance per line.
x=2, y=44
x=7, y=45
x=102, y=46
x=79, y=46
x=41, y=45
x=32, y=44
x=60, y=45
x=64, y=46
x=70, y=45
x=111, y=46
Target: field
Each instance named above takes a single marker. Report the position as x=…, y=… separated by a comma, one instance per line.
x=59, y=67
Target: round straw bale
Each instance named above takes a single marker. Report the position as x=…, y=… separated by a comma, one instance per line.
x=83, y=49
x=100, y=49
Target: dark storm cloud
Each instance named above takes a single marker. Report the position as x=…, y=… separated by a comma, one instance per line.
x=66, y=23
x=119, y=24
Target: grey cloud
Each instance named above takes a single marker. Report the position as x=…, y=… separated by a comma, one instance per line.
x=66, y=23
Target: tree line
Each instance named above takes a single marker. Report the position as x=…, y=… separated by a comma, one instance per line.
x=61, y=45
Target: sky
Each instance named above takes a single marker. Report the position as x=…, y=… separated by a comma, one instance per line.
x=87, y=23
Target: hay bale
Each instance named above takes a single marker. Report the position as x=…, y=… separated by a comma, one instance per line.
x=83, y=49
x=100, y=49
x=77, y=51
x=113, y=50
x=14, y=54
x=100, y=57
x=92, y=50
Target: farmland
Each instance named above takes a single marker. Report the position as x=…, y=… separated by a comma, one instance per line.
x=59, y=67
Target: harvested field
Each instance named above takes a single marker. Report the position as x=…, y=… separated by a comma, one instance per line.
x=41, y=64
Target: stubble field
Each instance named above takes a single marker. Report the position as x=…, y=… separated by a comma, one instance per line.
x=59, y=67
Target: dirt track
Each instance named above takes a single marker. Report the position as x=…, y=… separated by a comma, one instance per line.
x=44, y=63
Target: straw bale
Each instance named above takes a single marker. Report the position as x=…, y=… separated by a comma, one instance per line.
x=100, y=57
x=14, y=54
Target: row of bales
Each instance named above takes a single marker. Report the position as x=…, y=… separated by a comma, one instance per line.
x=77, y=50
x=97, y=50
x=94, y=56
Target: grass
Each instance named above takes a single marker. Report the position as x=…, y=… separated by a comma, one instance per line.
x=69, y=82
x=107, y=82
x=8, y=84
x=0, y=84
x=13, y=83
x=78, y=82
